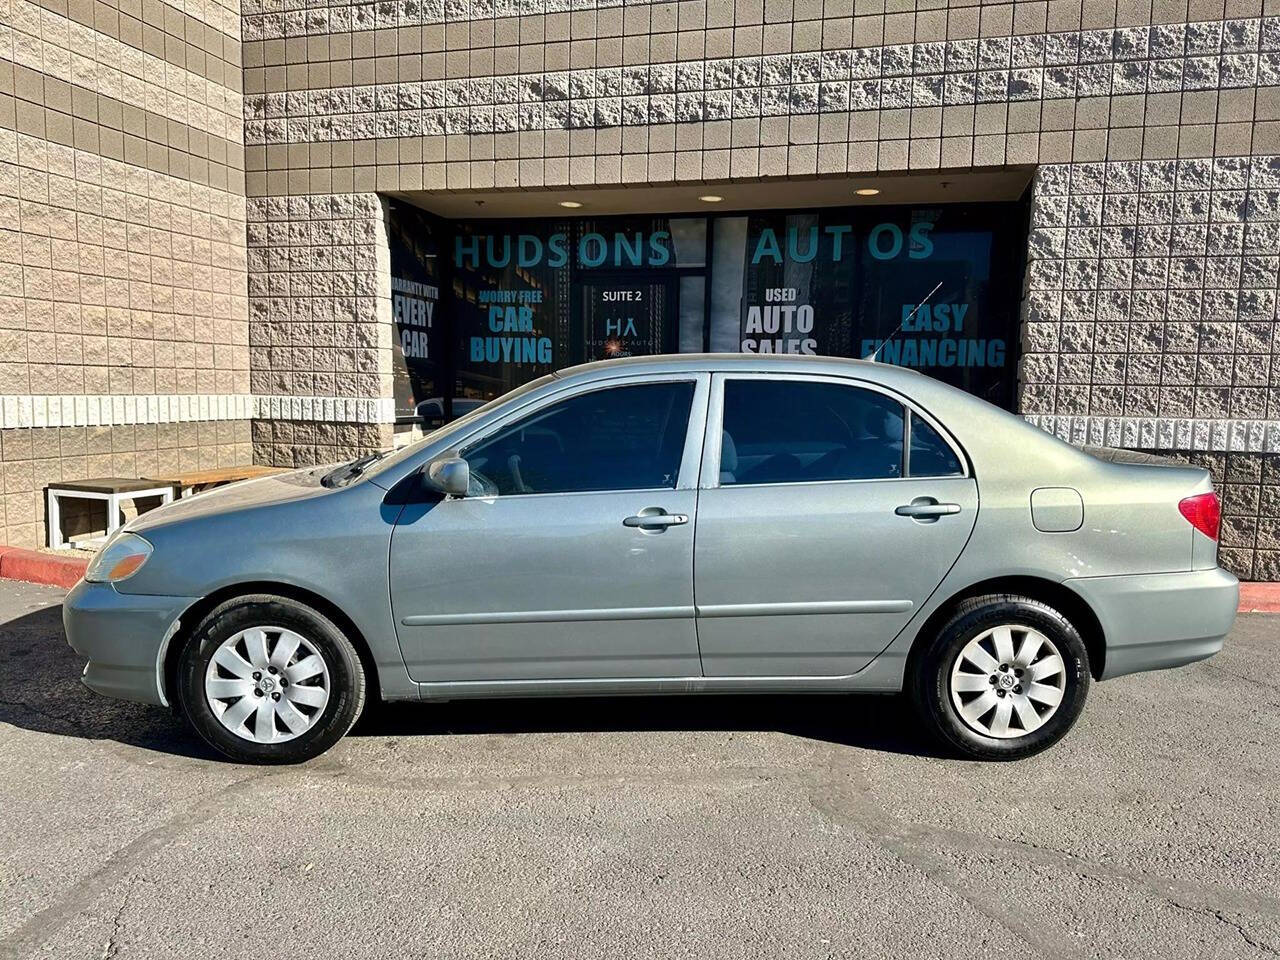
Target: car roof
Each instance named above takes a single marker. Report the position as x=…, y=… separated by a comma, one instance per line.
x=734, y=362
x=986, y=432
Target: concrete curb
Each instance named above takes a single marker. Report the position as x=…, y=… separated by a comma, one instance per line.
x=33, y=566
x=1260, y=598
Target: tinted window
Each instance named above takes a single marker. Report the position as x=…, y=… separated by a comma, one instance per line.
x=624, y=438
x=931, y=456
x=780, y=431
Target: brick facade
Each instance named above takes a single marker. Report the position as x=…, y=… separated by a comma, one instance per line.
x=194, y=197
x=1149, y=322
x=124, y=338
x=320, y=292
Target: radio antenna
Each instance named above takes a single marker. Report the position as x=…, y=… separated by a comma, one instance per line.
x=876, y=351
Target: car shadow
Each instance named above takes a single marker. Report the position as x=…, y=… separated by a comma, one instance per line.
x=40, y=690
x=870, y=722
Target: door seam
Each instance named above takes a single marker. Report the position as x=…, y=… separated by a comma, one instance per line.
x=693, y=565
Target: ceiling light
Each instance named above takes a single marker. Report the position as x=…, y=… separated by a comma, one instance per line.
x=710, y=198
x=866, y=191
x=570, y=204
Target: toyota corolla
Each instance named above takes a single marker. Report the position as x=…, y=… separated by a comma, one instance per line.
x=692, y=524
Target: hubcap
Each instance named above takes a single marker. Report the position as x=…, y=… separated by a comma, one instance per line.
x=267, y=684
x=1008, y=681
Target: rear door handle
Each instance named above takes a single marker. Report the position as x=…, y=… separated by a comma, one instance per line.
x=656, y=521
x=927, y=509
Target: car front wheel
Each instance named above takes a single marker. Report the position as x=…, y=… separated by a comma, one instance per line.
x=266, y=679
x=1004, y=678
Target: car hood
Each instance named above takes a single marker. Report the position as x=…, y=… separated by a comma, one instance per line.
x=233, y=497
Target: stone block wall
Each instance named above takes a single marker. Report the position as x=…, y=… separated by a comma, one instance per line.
x=1152, y=298
x=1150, y=309
x=1149, y=322
x=124, y=346
x=195, y=266
x=320, y=331
x=428, y=96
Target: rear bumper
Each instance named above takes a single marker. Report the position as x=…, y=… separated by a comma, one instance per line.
x=124, y=636
x=1161, y=620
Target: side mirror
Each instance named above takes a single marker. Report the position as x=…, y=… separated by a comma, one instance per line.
x=449, y=475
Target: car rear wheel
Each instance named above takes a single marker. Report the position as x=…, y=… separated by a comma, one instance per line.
x=266, y=679
x=1005, y=677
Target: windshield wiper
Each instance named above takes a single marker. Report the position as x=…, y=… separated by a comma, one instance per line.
x=345, y=474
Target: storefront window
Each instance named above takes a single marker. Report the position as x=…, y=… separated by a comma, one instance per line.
x=418, y=346
x=794, y=284
x=940, y=278
x=934, y=288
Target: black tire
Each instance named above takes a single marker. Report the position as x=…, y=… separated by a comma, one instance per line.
x=929, y=679
x=345, y=674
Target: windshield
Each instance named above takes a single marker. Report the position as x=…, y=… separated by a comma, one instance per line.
x=390, y=459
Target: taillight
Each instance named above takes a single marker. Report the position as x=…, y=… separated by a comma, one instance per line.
x=1203, y=512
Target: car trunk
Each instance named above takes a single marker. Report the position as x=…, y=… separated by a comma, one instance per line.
x=1117, y=455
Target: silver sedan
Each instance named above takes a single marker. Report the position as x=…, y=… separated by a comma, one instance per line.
x=692, y=524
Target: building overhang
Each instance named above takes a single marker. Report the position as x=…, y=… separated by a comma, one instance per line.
x=914, y=187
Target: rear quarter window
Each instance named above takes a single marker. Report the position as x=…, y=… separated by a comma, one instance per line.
x=931, y=455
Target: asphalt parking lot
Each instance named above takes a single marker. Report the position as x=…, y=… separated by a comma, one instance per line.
x=710, y=827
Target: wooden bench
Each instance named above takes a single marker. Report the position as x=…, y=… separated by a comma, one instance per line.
x=193, y=481
x=114, y=490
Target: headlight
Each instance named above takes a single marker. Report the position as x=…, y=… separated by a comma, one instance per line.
x=120, y=558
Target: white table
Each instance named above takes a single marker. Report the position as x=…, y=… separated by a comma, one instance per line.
x=114, y=490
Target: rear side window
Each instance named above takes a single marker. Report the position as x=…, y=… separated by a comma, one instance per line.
x=621, y=438
x=796, y=431
x=931, y=456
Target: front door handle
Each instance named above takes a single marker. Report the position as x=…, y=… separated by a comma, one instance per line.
x=927, y=509
x=656, y=520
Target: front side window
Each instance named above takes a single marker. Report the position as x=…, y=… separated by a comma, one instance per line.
x=796, y=431
x=621, y=438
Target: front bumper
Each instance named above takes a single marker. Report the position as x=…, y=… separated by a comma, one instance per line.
x=1160, y=620
x=124, y=636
